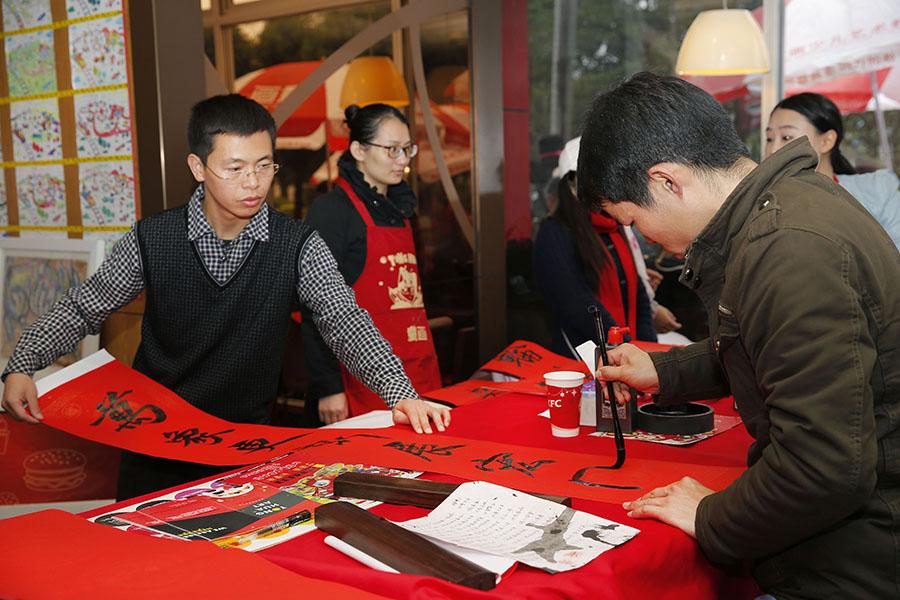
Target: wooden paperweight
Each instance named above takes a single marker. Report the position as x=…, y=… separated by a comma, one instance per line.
x=398, y=490
x=396, y=547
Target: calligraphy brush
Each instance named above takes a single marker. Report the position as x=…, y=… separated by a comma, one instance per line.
x=617, y=427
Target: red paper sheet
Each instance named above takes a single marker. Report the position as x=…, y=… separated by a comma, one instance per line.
x=528, y=360
x=116, y=405
x=52, y=554
x=476, y=390
x=524, y=360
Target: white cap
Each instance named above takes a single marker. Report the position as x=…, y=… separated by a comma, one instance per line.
x=568, y=158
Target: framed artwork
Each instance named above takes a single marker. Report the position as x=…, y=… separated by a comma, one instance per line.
x=34, y=274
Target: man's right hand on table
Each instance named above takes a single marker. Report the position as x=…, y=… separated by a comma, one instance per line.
x=630, y=367
x=19, y=393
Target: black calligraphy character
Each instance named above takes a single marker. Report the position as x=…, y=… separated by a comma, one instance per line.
x=420, y=450
x=340, y=440
x=193, y=435
x=484, y=393
x=504, y=462
x=258, y=444
x=578, y=478
x=117, y=408
x=519, y=354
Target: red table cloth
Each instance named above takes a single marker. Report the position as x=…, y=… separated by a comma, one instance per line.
x=660, y=562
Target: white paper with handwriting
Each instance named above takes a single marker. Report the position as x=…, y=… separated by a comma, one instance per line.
x=537, y=532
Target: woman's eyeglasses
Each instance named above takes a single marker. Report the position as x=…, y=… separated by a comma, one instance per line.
x=395, y=151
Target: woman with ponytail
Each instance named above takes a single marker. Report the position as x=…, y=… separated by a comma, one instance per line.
x=584, y=259
x=365, y=221
x=817, y=118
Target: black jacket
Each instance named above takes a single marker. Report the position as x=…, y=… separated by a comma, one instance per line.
x=802, y=289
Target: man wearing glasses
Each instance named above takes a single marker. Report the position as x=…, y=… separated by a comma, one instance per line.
x=221, y=275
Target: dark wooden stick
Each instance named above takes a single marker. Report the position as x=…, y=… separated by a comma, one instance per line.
x=396, y=547
x=397, y=490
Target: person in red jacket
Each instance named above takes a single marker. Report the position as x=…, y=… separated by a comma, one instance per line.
x=365, y=221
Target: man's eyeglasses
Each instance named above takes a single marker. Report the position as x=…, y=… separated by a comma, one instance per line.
x=395, y=151
x=262, y=171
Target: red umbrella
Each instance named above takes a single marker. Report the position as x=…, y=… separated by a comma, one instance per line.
x=269, y=86
x=851, y=94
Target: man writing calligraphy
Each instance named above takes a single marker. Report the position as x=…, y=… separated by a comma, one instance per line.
x=802, y=291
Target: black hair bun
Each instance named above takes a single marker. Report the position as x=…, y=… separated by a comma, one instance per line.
x=350, y=113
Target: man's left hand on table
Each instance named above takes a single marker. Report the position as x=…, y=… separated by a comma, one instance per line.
x=675, y=504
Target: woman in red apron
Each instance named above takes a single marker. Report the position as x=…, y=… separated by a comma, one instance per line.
x=365, y=223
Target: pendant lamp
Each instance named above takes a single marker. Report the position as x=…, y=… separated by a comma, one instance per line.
x=723, y=42
x=373, y=80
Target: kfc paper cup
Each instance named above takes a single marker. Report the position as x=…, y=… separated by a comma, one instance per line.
x=564, y=401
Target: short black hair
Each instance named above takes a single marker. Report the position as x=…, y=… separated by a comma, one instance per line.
x=228, y=113
x=824, y=115
x=364, y=122
x=647, y=120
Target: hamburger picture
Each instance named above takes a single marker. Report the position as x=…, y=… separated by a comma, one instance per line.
x=54, y=470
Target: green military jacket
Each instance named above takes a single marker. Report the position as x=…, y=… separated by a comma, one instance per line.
x=802, y=290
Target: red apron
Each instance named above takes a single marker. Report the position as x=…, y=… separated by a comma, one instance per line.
x=390, y=290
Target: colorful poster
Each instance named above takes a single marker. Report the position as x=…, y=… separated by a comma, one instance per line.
x=42, y=199
x=103, y=124
x=4, y=214
x=31, y=285
x=107, y=197
x=83, y=8
x=30, y=63
x=21, y=14
x=36, y=130
x=97, y=53
x=286, y=484
x=103, y=400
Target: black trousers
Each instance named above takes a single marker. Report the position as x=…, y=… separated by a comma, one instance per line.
x=141, y=474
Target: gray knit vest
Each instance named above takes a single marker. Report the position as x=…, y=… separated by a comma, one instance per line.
x=217, y=346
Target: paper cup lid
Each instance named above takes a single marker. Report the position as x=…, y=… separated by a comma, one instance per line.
x=564, y=378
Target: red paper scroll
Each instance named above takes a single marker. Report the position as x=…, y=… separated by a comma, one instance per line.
x=52, y=554
x=118, y=406
x=528, y=360
x=476, y=390
x=524, y=360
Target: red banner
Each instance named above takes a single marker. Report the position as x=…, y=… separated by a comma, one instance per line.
x=116, y=405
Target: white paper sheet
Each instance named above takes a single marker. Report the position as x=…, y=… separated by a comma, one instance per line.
x=586, y=353
x=537, y=532
x=375, y=419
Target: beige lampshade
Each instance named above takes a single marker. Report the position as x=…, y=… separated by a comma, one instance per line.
x=723, y=42
x=373, y=80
